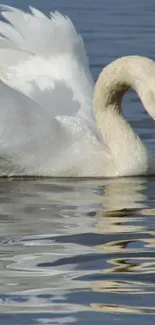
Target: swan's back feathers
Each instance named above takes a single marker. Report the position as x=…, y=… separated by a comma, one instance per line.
x=40, y=55
x=28, y=137
x=32, y=143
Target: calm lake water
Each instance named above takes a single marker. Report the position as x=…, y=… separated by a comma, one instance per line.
x=83, y=251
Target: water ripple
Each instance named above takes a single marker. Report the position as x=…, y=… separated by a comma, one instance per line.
x=77, y=247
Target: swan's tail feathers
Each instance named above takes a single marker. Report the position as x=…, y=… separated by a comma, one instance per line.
x=39, y=34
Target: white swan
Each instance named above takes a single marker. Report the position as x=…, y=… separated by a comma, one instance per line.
x=47, y=123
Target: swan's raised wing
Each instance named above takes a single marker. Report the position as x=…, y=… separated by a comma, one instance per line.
x=45, y=59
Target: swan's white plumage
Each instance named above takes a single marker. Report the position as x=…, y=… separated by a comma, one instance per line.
x=47, y=124
x=45, y=96
x=33, y=143
x=43, y=54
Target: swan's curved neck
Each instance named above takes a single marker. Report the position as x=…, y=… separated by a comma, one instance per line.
x=133, y=72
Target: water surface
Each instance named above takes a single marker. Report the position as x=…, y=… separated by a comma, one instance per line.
x=77, y=251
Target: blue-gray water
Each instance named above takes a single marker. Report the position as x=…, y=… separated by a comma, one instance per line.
x=83, y=251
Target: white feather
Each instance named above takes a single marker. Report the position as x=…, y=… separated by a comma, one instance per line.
x=50, y=63
x=47, y=125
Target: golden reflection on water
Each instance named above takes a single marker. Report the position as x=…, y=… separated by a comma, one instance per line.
x=122, y=309
x=125, y=212
x=124, y=193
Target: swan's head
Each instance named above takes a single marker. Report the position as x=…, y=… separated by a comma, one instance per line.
x=144, y=83
x=115, y=79
x=147, y=97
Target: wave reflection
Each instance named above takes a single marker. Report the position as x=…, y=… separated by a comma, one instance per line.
x=69, y=248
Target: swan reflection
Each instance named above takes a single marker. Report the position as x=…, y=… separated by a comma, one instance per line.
x=64, y=238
